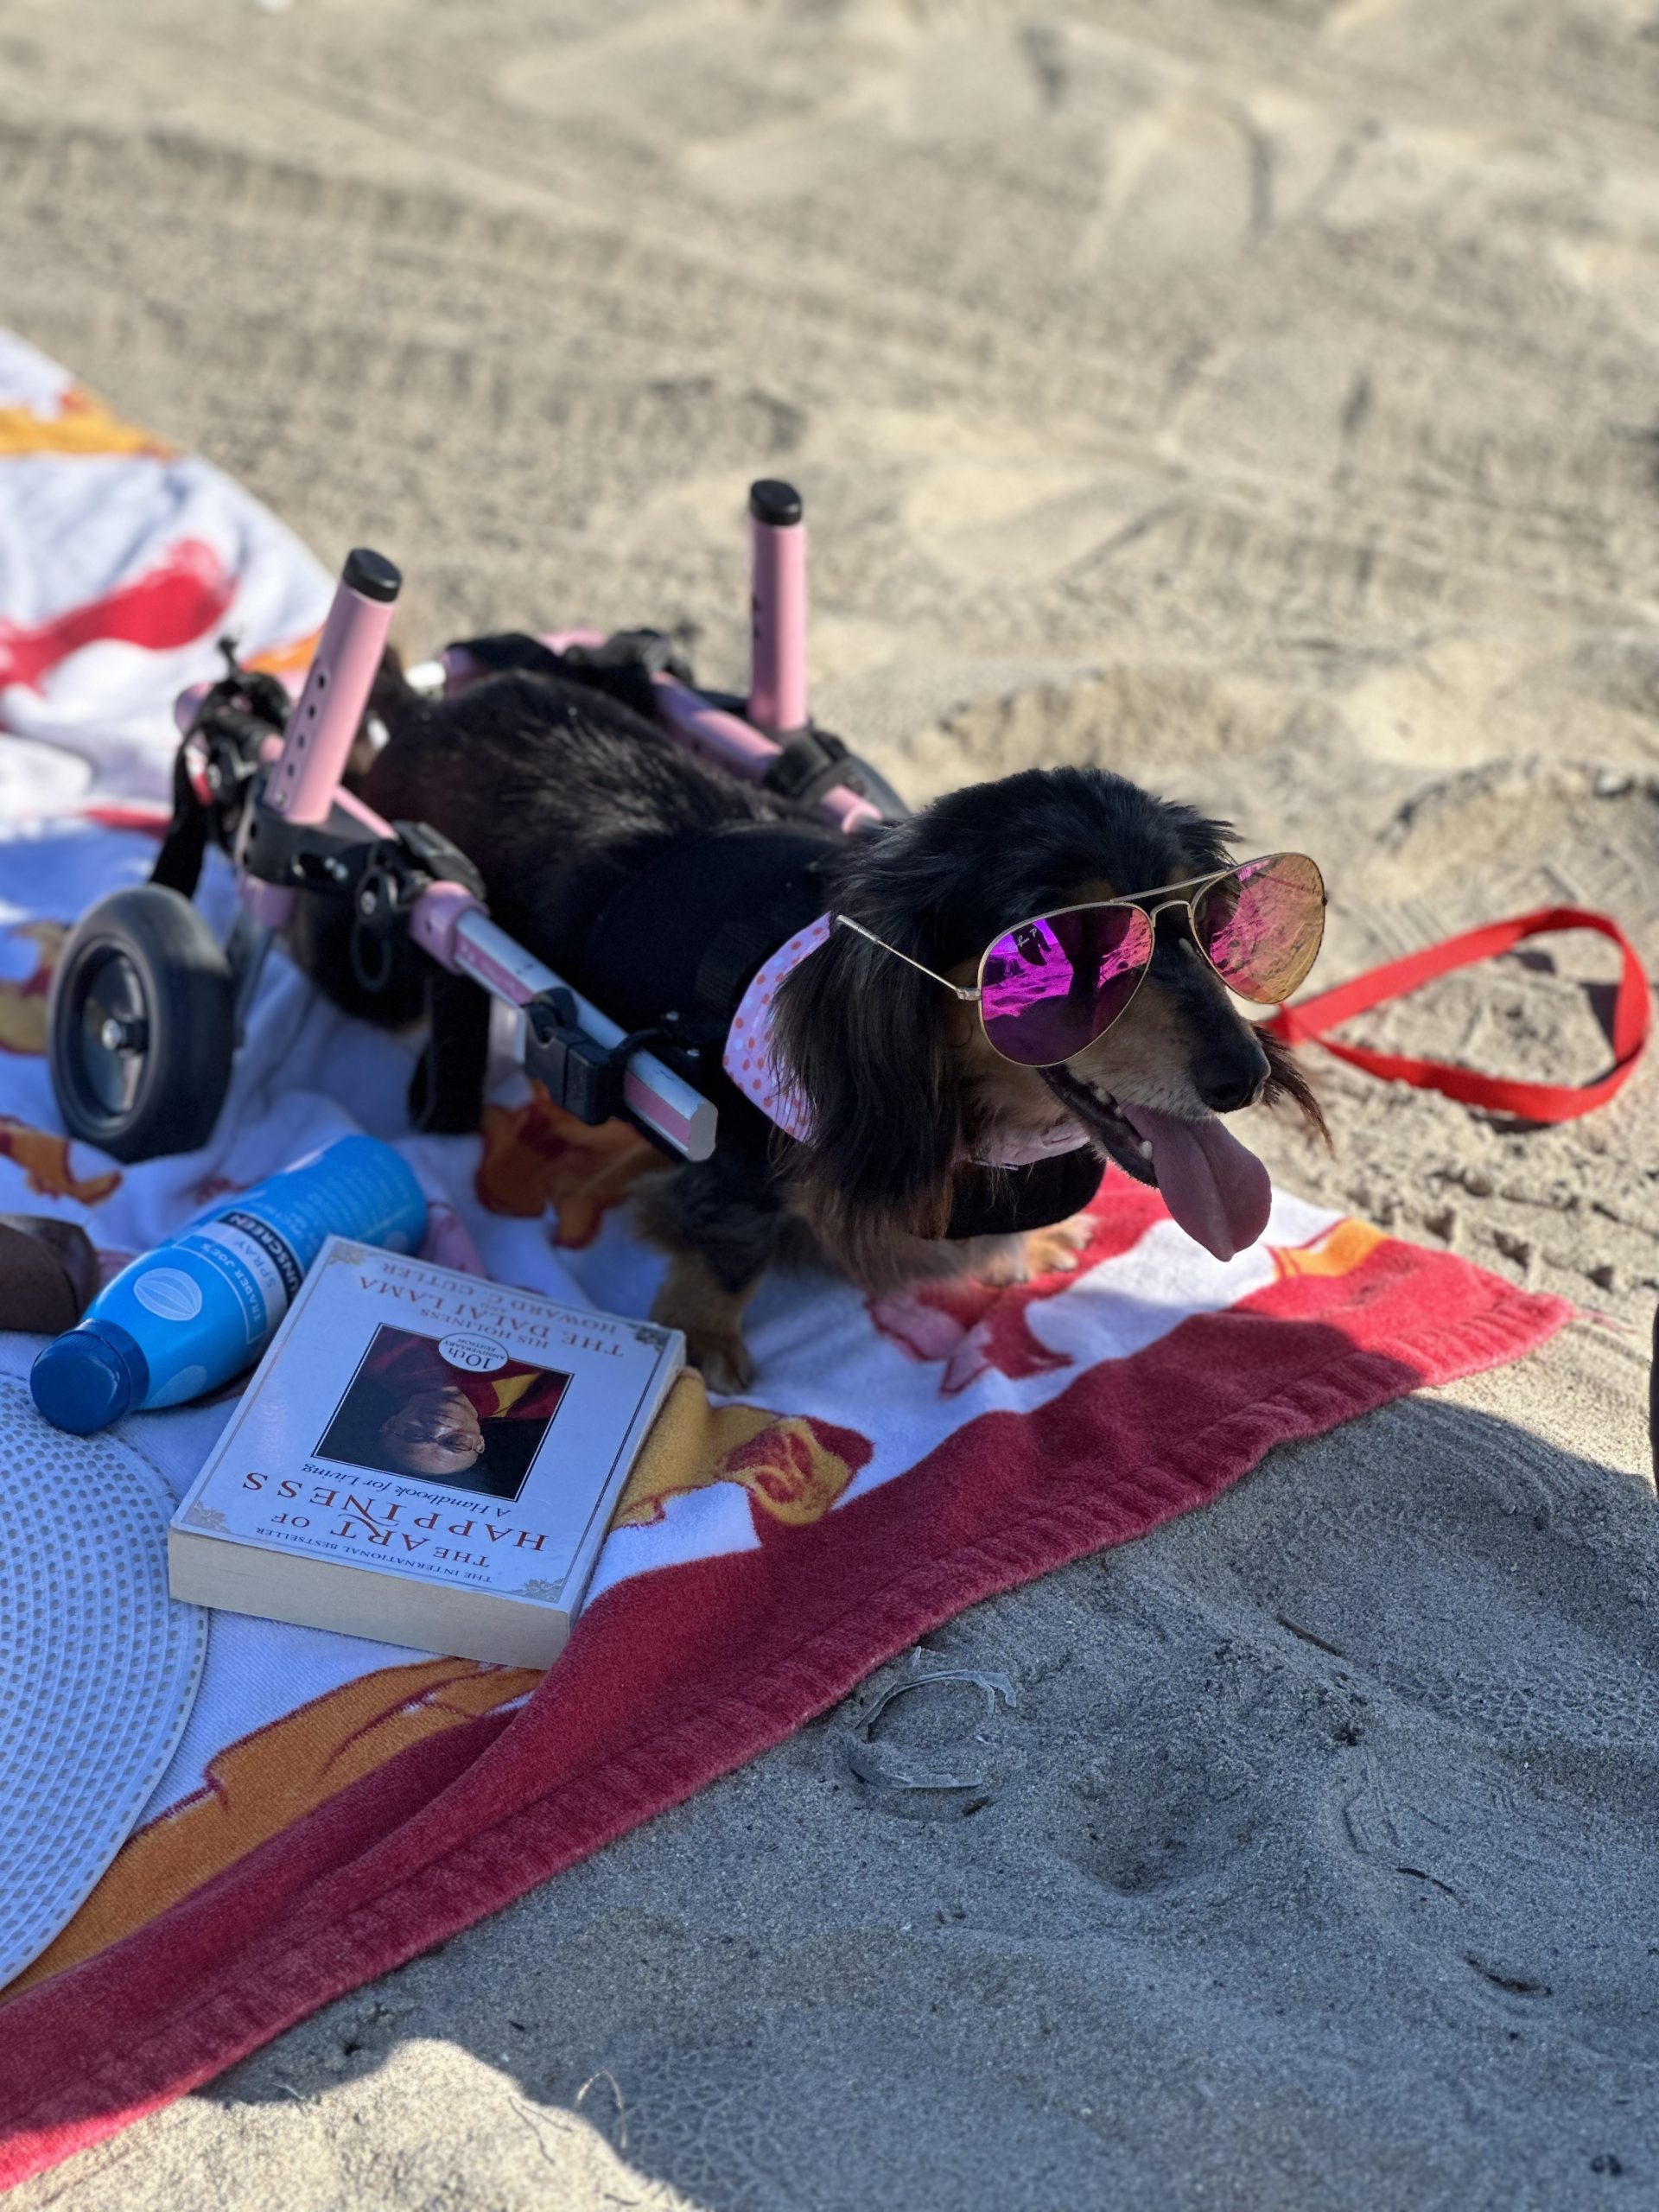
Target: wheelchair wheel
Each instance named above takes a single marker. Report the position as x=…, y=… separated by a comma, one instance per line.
x=141, y=1021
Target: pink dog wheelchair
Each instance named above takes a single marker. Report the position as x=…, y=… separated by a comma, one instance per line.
x=147, y=1007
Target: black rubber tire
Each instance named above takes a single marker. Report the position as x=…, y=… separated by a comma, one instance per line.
x=144, y=955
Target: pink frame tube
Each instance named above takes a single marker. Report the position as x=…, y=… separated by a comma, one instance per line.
x=452, y=926
x=777, y=700
x=713, y=734
x=330, y=707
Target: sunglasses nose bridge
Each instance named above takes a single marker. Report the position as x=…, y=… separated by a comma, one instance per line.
x=1183, y=926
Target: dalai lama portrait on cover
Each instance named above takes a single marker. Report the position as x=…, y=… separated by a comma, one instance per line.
x=410, y=1412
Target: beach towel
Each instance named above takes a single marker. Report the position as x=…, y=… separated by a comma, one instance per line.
x=334, y=1806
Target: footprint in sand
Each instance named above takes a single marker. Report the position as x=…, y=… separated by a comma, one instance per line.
x=1144, y=1834
x=1170, y=1804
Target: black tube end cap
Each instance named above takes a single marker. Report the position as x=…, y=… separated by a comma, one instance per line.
x=371, y=575
x=772, y=501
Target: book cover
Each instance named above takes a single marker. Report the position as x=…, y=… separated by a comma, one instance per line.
x=423, y=1458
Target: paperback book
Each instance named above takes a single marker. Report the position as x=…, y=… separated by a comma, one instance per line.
x=424, y=1458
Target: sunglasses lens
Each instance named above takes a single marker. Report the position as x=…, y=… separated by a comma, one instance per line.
x=1052, y=986
x=1262, y=925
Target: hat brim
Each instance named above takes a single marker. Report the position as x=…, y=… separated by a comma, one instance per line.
x=99, y=1665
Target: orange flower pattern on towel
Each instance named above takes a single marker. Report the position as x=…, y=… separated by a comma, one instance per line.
x=794, y=1467
x=82, y=426
x=44, y=1160
x=22, y=999
x=269, y=1780
x=1338, y=1252
x=290, y=659
x=537, y=1155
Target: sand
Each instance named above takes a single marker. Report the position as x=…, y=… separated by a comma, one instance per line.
x=1258, y=399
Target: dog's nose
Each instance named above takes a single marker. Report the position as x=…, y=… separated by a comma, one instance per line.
x=1234, y=1079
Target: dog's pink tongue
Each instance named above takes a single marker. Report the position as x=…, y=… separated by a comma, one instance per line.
x=1219, y=1192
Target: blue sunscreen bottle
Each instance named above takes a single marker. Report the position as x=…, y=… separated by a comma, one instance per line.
x=198, y=1309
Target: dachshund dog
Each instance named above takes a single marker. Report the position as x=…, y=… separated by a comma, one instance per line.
x=659, y=884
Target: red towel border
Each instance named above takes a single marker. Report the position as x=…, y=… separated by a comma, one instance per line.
x=677, y=1676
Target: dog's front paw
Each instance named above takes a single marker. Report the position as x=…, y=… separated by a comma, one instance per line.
x=1058, y=1249
x=722, y=1358
x=711, y=1320
x=1001, y=1260
x=1007, y=1260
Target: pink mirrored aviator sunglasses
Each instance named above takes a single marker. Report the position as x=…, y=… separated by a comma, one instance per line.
x=1048, y=987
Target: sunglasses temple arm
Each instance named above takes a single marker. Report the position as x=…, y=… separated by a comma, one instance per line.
x=961, y=990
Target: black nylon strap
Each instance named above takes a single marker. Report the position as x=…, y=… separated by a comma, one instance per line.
x=178, y=864
x=686, y=931
x=811, y=763
x=1008, y=1201
x=740, y=947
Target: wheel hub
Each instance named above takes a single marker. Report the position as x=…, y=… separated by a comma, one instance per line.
x=114, y=1035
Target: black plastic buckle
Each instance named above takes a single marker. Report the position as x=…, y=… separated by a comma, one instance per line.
x=443, y=862
x=811, y=763
x=579, y=1073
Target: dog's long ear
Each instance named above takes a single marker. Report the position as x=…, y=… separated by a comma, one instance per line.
x=1285, y=1081
x=864, y=1038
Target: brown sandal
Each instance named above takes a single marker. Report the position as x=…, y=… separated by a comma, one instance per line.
x=48, y=1274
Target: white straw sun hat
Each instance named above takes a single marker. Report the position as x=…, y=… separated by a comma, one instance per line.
x=98, y=1666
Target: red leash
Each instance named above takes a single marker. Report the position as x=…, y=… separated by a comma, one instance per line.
x=1307, y=1021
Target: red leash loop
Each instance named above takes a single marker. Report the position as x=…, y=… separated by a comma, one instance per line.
x=1308, y=1022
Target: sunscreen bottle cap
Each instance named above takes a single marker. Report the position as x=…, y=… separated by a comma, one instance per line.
x=90, y=1377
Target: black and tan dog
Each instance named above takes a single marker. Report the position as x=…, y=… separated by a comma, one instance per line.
x=658, y=886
